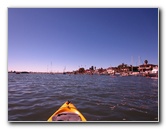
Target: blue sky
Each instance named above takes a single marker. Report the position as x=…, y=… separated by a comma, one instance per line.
x=50, y=39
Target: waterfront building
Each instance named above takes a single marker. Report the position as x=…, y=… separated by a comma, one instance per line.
x=146, y=67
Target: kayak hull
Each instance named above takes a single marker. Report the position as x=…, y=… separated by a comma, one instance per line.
x=67, y=112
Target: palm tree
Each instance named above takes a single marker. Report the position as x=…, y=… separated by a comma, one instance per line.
x=146, y=62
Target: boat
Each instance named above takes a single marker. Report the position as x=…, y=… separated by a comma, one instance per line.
x=154, y=72
x=64, y=71
x=67, y=112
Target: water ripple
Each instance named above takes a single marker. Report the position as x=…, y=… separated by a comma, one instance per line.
x=34, y=97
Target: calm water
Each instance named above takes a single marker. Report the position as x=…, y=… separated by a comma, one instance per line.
x=35, y=97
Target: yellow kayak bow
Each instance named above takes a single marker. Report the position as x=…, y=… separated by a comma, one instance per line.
x=67, y=112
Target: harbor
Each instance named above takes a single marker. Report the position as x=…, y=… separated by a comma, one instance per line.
x=147, y=70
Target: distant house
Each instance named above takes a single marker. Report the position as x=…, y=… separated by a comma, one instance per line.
x=146, y=67
x=111, y=70
x=88, y=71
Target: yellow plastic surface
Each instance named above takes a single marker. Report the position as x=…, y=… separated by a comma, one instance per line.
x=68, y=107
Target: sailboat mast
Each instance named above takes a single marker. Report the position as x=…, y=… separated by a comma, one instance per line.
x=64, y=70
x=51, y=66
x=132, y=63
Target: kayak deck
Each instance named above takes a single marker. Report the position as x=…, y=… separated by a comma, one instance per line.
x=67, y=112
x=66, y=116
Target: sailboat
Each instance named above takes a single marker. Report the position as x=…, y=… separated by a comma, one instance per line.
x=51, y=69
x=64, y=71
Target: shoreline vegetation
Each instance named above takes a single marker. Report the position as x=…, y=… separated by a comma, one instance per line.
x=147, y=70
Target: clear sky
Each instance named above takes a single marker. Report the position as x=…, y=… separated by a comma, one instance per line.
x=51, y=39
